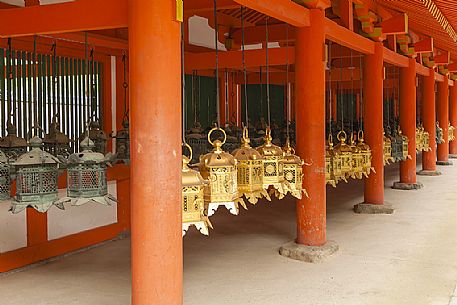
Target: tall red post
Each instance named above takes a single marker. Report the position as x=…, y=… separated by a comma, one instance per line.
x=310, y=121
x=429, y=119
x=408, y=127
x=453, y=118
x=443, y=119
x=155, y=120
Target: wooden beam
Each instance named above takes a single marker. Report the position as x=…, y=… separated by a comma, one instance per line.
x=233, y=60
x=315, y=4
x=94, y=40
x=395, y=25
x=80, y=15
x=443, y=59
x=284, y=10
x=424, y=46
x=452, y=67
x=32, y=2
x=346, y=13
x=193, y=7
x=421, y=70
x=347, y=38
x=255, y=35
x=439, y=78
x=395, y=59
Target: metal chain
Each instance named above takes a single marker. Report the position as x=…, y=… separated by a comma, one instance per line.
x=125, y=85
x=268, y=74
x=287, y=82
x=361, y=93
x=244, y=69
x=216, y=32
x=183, y=86
x=330, y=86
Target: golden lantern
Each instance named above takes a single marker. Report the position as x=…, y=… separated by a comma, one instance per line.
x=365, y=151
x=273, y=171
x=357, y=160
x=451, y=136
x=404, y=145
x=329, y=179
x=219, y=168
x=426, y=141
x=345, y=152
x=293, y=171
x=249, y=170
x=387, y=149
x=419, y=139
x=193, y=203
x=439, y=134
x=333, y=163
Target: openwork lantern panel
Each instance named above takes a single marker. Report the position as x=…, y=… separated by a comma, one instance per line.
x=98, y=136
x=387, y=149
x=293, y=172
x=357, y=159
x=5, y=178
x=123, y=143
x=439, y=134
x=365, y=151
x=345, y=152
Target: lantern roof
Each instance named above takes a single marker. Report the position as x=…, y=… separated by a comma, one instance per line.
x=217, y=157
x=36, y=155
x=246, y=152
x=87, y=155
x=3, y=157
x=190, y=177
x=12, y=140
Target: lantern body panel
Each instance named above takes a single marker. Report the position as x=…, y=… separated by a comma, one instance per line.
x=87, y=180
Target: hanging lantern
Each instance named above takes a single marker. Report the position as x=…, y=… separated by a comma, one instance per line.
x=5, y=178
x=219, y=168
x=293, y=171
x=333, y=170
x=419, y=139
x=97, y=136
x=328, y=168
x=451, y=136
x=357, y=160
x=36, y=179
x=193, y=203
x=55, y=142
x=397, y=146
x=123, y=142
x=197, y=140
x=426, y=141
x=404, y=146
x=345, y=153
x=365, y=151
x=387, y=149
x=249, y=171
x=439, y=134
x=273, y=171
x=12, y=145
x=86, y=176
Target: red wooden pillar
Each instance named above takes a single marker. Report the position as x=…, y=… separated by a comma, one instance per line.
x=429, y=119
x=408, y=126
x=373, y=126
x=310, y=115
x=155, y=112
x=443, y=119
x=453, y=118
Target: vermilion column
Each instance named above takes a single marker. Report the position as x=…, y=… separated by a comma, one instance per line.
x=429, y=119
x=453, y=118
x=155, y=120
x=408, y=126
x=310, y=116
x=443, y=119
x=373, y=123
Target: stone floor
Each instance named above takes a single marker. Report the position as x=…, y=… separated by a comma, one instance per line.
x=409, y=257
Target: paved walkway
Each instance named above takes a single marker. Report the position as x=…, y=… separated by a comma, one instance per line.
x=409, y=257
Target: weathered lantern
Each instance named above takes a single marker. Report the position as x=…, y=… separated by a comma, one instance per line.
x=357, y=159
x=97, y=136
x=12, y=145
x=345, y=152
x=197, y=140
x=219, y=168
x=36, y=179
x=293, y=171
x=86, y=176
x=193, y=204
x=55, y=142
x=439, y=134
x=397, y=146
x=123, y=142
x=365, y=151
x=273, y=171
x=5, y=178
x=249, y=171
x=426, y=141
x=387, y=149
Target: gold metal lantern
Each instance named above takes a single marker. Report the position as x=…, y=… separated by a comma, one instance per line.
x=219, y=168
x=451, y=136
x=404, y=145
x=193, y=202
x=357, y=159
x=365, y=151
x=439, y=134
x=333, y=164
x=249, y=170
x=426, y=141
x=419, y=139
x=293, y=171
x=273, y=167
x=387, y=149
x=345, y=152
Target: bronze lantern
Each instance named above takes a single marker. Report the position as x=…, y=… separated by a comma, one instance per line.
x=249, y=170
x=387, y=149
x=55, y=142
x=451, y=136
x=335, y=164
x=365, y=151
x=123, y=143
x=357, y=159
x=96, y=135
x=12, y=145
x=439, y=134
x=193, y=203
x=293, y=171
x=5, y=178
x=345, y=152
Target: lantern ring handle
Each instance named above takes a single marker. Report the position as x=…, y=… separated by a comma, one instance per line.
x=36, y=127
x=245, y=133
x=190, y=150
x=341, y=136
x=361, y=134
x=214, y=129
x=330, y=138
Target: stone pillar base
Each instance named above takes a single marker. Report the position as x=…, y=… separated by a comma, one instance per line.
x=444, y=163
x=309, y=254
x=366, y=208
x=426, y=172
x=452, y=156
x=407, y=186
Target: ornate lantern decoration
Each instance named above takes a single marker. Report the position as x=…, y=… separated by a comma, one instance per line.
x=365, y=151
x=426, y=141
x=219, y=168
x=451, y=136
x=193, y=204
x=86, y=176
x=123, y=142
x=273, y=167
x=12, y=145
x=404, y=145
x=293, y=171
x=249, y=170
x=97, y=136
x=55, y=142
x=36, y=179
x=439, y=134
x=419, y=139
x=5, y=178
x=387, y=149
x=357, y=160
x=333, y=163
x=397, y=145
x=345, y=153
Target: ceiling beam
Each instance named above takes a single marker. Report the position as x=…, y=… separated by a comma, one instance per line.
x=347, y=38
x=80, y=15
x=194, y=7
x=395, y=59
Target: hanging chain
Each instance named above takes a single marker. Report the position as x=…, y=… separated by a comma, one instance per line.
x=341, y=91
x=361, y=94
x=244, y=70
x=125, y=84
x=261, y=91
x=268, y=74
x=287, y=82
x=54, y=75
x=183, y=86
x=330, y=90
x=216, y=30
x=34, y=77
x=86, y=66
x=226, y=87
x=10, y=77
x=352, y=95
x=93, y=87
